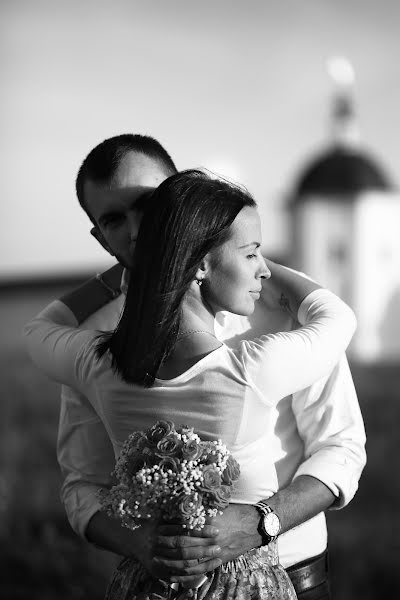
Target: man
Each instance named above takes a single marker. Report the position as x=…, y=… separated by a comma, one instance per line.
x=318, y=439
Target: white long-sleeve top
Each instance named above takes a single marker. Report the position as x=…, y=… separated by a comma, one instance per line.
x=233, y=394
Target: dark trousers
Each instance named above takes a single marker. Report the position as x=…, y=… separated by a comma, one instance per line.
x=310, y=578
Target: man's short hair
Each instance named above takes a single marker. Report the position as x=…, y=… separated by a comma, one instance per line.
x=103, y=161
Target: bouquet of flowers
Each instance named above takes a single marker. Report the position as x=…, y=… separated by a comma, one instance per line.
x=170, y=474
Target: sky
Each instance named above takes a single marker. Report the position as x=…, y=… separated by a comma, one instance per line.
x=240, y=88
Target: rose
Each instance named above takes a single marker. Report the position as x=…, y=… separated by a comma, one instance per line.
x=137, y=441
x=160, y=430
x=211, y=478
x=135, y=462
x=207, y=449
x=169, y=463
x=191, y=450
x=221, y=496
x=189, y=504
x=169, y=445
x=231, y=472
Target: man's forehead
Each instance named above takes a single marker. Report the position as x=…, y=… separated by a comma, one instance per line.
x=137, y=169
x=136, y=176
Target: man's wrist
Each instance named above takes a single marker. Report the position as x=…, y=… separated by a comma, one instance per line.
x=251, y=520
x=108, y=533
x=269, y=524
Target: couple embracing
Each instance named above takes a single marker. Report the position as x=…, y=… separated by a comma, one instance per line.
x=195, y=326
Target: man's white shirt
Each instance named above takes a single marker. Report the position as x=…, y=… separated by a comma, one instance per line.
x=318, y=432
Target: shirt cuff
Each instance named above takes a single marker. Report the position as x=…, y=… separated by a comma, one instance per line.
x=80, y=507
x=334, y=472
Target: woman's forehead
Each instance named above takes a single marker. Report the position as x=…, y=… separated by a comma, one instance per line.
x=246, y=228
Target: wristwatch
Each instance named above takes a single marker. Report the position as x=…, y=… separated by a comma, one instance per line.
x=270, y=525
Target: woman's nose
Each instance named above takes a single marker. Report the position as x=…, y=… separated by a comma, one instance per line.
x=265, y=272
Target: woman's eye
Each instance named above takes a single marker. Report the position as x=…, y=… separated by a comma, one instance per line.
x=252, y=256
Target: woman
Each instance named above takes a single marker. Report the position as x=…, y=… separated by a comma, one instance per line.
x=198, y=252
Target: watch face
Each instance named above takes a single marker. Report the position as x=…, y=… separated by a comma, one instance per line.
x=271, y=524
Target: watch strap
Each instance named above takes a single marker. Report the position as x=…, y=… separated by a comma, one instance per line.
x=264, y=509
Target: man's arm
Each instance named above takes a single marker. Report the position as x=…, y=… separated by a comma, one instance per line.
x=237, y=527
x=330, y=423
x=86, y=458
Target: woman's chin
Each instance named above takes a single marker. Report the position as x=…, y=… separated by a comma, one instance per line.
x=244, y=311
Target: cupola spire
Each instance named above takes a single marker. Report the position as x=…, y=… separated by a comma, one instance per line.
x=343, y=122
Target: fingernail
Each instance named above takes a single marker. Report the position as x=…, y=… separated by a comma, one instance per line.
x=217, y=550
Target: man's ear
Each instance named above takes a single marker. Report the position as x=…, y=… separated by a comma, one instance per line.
x=96, y=233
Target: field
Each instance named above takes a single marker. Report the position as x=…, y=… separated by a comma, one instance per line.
x=42, y=559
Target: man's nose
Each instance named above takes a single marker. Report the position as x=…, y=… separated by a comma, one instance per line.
x=133, y=221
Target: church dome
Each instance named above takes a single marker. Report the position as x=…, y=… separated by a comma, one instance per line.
x=341, y=171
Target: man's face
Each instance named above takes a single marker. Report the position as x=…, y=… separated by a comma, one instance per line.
x=114, y=208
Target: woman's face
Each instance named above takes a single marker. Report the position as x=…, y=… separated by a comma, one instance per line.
x=235, y=269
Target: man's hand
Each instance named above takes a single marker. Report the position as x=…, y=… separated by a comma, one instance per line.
x=224, y=538
x=186, y=555
x=237, y=530
x=170, y=553
x=164, y=551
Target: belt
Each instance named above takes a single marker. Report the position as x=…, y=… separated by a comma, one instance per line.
x=309, y=574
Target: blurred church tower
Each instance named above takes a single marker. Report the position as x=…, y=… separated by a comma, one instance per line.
x=345, y=219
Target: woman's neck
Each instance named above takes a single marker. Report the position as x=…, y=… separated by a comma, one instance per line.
x=196, y=339
x=196, y=316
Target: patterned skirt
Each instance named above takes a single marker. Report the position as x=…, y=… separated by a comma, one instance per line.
x=256, y=575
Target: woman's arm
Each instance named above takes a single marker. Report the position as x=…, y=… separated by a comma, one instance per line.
x=289, y=286
x=284, y=363
x=52, y=338
x=54, y=344
x=94, y=293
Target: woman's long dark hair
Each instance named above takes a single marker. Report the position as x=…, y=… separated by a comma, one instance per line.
x=186, y=217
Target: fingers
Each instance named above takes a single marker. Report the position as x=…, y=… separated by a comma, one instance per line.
x=208, y=531
x=203, y=567
x=181, y=542
x=185, y=568
x=192, y=553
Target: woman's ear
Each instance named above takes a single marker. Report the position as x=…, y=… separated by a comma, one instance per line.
x=203, y=268
x=96, y=233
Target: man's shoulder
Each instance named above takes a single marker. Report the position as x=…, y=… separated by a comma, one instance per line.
x=107, y=317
